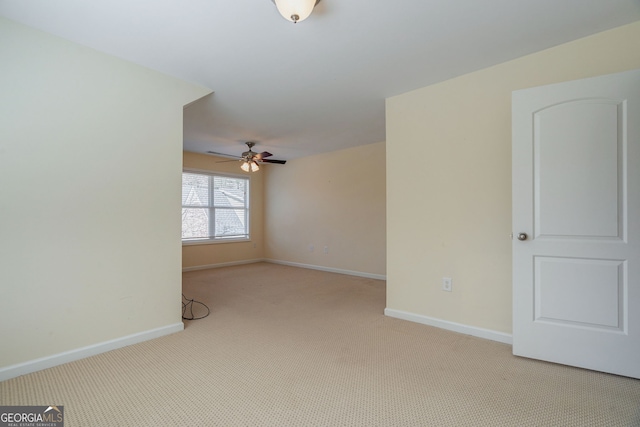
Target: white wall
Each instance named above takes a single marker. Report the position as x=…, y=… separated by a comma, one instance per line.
x=449, y=214
x=90, y=166
x=334, y=199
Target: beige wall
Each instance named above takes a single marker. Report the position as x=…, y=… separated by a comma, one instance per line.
x=215, y=254
x=334, y=199
x=90, y=163
x=449, y=212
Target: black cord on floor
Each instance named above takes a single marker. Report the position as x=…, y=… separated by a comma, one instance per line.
x=189, y=306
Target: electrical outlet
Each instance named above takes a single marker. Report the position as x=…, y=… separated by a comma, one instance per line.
x=326, y=249
x=447, y=284
x=311, y=248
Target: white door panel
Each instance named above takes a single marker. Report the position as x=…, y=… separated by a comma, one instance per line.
x=576, y=146
x=597, y=284
x=576, y=194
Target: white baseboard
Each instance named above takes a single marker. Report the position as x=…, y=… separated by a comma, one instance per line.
x=328, y=269
x=13, y=371
x=451, y=326
x=222, y=264
x=291, y=264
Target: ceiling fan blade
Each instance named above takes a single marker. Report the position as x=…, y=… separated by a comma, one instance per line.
x=223, y=154
x=263, y=155
x=226, y=161
x=280, y=162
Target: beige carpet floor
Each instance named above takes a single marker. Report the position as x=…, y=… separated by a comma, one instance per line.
x=291, y=347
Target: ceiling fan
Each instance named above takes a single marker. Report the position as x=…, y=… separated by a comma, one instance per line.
x=250, y=159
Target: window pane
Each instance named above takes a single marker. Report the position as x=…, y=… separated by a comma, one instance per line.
x=230, y=222
x=195, y=190
x=195, y=223
x=229, y=192
x=214, y=207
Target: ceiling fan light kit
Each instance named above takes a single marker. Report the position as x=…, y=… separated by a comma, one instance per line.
x=250, y=166
x=295, y=10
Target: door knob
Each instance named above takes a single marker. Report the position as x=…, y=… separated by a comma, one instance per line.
x=522, y=236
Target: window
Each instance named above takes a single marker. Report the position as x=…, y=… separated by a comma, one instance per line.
x=214, y=207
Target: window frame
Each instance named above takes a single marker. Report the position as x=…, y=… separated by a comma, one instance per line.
x=213, y=239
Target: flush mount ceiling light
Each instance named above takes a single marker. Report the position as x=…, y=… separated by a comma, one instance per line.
x=295, y=10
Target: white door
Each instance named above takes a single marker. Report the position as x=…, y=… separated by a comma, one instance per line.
x=576, y=207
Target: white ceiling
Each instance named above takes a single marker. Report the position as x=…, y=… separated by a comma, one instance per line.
x=319, y=85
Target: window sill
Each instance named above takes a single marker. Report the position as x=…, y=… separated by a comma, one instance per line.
x=195, y=242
